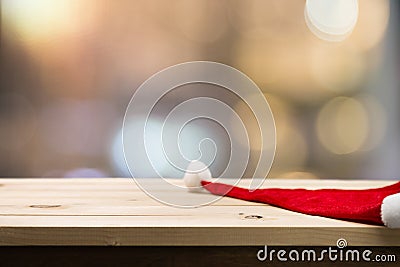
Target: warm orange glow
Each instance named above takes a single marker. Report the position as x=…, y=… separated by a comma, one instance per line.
x=342, y=125
x=337, y=68
x=42, y=21
x=372, y=23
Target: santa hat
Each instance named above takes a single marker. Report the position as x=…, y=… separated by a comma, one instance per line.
x=379, y=206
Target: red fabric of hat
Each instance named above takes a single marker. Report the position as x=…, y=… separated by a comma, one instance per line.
x=364, y=206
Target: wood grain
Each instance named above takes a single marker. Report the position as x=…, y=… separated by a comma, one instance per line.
x=114, y=211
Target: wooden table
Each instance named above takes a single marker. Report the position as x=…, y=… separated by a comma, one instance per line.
x=114, y=211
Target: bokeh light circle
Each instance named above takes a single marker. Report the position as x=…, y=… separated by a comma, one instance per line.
x=343, y=125
x=331, y=20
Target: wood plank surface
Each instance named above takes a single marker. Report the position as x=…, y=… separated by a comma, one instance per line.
x=115, y=211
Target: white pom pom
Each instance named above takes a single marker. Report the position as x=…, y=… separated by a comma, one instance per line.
x=390, y=211
x=195, y=173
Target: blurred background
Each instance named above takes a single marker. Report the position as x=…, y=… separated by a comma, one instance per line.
x=68, y=69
